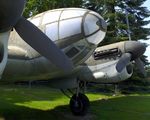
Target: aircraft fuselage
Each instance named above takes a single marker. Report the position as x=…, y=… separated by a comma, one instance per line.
x=77, y=32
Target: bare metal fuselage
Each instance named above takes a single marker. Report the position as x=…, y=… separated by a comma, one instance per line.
x=70, y=32
x=99, y=65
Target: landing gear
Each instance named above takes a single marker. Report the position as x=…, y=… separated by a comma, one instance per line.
x=79, y=104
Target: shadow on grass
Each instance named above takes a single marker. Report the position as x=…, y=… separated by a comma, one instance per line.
x=10, y=111
x=24, y=113
x=22, y=103
x=116, y=108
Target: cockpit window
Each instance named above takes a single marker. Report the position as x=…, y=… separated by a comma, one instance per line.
x=36, y=21
x=72, y=52
x=88, y=27
x=106, y=53
x=79, y=51
x=50, y=17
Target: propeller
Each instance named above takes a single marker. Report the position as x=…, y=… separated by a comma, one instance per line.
x=133, y=51
x=140, y=66
x=11, y=17
x=123, y=61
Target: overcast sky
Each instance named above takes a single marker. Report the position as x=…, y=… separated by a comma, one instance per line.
x=147, y=53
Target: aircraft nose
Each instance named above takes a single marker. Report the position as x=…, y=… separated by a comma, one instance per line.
x=94, y=28
x=135, y=48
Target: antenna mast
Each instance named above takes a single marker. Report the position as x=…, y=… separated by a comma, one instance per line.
x=127, y=21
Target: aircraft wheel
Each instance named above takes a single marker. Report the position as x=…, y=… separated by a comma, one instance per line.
x=79, y=105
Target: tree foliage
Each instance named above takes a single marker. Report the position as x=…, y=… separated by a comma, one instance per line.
x=37, y=6
x=114, y=12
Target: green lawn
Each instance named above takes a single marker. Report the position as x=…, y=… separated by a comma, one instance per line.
x=22, y=103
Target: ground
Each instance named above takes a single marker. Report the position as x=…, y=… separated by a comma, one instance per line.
x=42, y=103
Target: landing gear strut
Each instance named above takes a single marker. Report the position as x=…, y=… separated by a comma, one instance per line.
x=79, y=102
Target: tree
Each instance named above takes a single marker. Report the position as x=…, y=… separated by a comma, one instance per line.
x=37, y=6
x=114, y=12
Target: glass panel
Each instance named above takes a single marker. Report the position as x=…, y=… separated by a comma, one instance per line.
x=51, y=17
x=97, y=37
x=90, y=24
x=71, y=13
x=70, y=27
x=81, y=44
x=72, y=52
x=36, y=21
x=52, y=31
x=96, y=14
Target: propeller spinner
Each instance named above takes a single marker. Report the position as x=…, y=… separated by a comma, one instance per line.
x=11, y=17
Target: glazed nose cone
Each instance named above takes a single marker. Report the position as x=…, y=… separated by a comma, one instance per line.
x=94, y=28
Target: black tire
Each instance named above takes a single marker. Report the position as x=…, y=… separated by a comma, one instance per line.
x=79, y=105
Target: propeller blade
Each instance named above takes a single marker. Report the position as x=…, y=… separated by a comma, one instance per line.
x=122, y=63
x=10, y=13
x=42, y=44
x=140, y=66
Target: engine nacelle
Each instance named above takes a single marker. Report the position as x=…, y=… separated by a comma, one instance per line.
x=107, y=74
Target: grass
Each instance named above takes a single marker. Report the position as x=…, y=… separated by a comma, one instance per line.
x=22, y=103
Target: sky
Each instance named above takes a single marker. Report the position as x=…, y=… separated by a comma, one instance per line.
x=147, y=53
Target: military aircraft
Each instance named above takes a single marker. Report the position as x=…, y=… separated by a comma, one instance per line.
x=103, y=66
x=74, y=34
x=51, y=45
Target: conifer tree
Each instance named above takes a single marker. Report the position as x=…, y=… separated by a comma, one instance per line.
x=34, y=7
x=114, y=12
